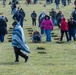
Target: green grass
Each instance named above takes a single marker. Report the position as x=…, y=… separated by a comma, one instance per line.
x=59, y=59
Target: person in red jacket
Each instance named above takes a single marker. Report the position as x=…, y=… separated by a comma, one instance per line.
x=64, y=29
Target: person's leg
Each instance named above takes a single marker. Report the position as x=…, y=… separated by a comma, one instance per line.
x=57, y=6
x=70, y=35
x=35, y=22
x=21, y=23
x=16, y=51
x=66, y=33
x=24, y=56
x=48, y=35
x=62, y=33
x=42, y=30
x=74, y=35
x=2, y=38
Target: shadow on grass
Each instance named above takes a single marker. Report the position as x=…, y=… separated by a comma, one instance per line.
x=37, y=42
x=42, y=52
x=9, y=63
x=60, y=42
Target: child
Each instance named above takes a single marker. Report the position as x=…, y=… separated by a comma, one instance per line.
x=36, y=36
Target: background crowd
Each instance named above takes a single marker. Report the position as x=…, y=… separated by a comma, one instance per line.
x=46, y=22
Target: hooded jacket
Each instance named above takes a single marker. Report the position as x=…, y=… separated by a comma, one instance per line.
x=64, y=25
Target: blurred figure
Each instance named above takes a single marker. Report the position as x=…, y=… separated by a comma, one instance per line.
x=4, y=3
x=64, y=29
x=28, y=1
x=59, y=17
x=36, y=36
x=4, y=17
x=13, y=8
x=35, y=1
x=72, y=29
x=18, y=42
x=48, y=25
x=64, y=2
x=22, y=13
x=53, y=14
x=74, y=14
x=3, y=29
x=34, y=17
x=40, y=19
x=57, y=2
x=17, y=17
x=75, y=3
x=68, y=1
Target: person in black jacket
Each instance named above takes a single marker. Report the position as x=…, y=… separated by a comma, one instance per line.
x=3, y=29
x=33, y=16
x=22, y=13
x=57, y=2
x=17, y=16
x=72, y=29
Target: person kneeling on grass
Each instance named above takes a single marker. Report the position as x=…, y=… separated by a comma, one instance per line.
x=36, y=36
x=18, y=42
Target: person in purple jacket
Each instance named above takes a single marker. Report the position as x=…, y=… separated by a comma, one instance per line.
x=48, y=25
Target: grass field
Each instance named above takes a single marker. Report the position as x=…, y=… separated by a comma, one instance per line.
x=56, y=59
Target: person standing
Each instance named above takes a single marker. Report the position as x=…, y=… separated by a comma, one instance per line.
x=74, y=14
x=72, y=29
x=53, y=14
x=18, y=42
x=4, y=3
x=33, y=16
x=57, y=2
x=3, y=29
x=64, y=2
x=35, y=1
x=40, y=19
x=64, y=29
x=59, y=17
x=22, y=13
x=68, y=1
x=17, y=16
x=48, y=25
x=13, y=8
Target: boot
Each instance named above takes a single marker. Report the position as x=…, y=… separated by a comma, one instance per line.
x=24, y=56
x=26, y=59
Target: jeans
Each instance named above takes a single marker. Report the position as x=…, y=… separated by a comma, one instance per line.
x=51, y=1
x=48, y=35
x=68, y=1
x=54, y=21
x=72, y=34
x=2, y=38
x=42, y=30
x=57, y=6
